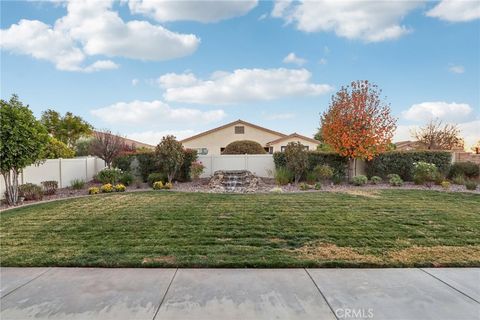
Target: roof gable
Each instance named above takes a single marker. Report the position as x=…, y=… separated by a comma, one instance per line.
x=293, y=135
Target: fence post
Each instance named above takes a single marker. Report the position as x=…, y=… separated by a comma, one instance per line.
x=60, y=172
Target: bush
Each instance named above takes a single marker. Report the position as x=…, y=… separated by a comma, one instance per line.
x=157, y=185
x=424, y=172
x=196, y=169
x=49, y=187
x=107, y=188
x=147, y=164
x=395, y=180
x=107, y=175
x=244, y=147
x=283, y=176
x=93, y=190
x=303, y=186
x=311, y=177
x=55, y=149
x=439, y=178
x=77, y=184
x=471, y=185
x=170, y=156
x=297, y=159
x=168, y=185
x=338, y=178
x=189, y=157
x=323, y=172
x=402, y=162
x=334, y=160
x=445, y=185
x=120, y=187
x=30, y=191
x=459, y=179
x=376, y=180
x=318, y=186
x=467, y=169
x=359, y=180
x=123, y=162
x=156, y=176
x=126, y=178
x=276, y=190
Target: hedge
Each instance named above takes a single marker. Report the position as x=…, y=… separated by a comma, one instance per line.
x=401, y=163
x=338, y=163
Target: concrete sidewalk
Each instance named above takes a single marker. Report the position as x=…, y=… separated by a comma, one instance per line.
x=85, y=293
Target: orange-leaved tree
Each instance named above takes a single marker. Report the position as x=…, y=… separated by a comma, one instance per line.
x=358, y=124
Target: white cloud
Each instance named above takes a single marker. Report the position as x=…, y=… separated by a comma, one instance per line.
x=154, y=112
x=241, y=85
x=135, y=82
x=292, y=58
x=371, y=21
x=154, y=137
x=451, y=112
x=280, y=116
x=456, y=69
x=456, y=11
x=91, y=28
x=201, y=11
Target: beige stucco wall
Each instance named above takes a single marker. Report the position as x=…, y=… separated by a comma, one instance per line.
x=278, y=146
x=220, y=138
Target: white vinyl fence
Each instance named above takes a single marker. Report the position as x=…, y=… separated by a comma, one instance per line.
x=61, y=170
x=260, y=165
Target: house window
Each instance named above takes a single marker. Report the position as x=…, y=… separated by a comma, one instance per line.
x=239, y=129
x=202, y=151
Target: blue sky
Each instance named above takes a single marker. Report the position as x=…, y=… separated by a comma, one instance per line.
x=147, y=68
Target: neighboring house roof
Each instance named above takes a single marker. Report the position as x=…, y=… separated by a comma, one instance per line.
x=130, y=142
x=409, y=145
x=293, y=135
x=239, y=121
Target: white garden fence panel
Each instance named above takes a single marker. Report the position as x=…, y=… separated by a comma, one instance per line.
x=260, y=165
x=61, y=170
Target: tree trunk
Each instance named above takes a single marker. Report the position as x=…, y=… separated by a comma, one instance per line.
x=11, y=185
x=350, y=169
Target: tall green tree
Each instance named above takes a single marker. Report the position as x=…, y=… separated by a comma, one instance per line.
x=57, y=149
x=68, y=129
x=296, y=156
x=170, y=156
x=23, y=139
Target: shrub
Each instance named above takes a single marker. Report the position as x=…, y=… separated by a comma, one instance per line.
x=467, y=169
x=334, y=160
x=445, y=185
x=123, y=162
x=196, y=169
x=303, y=186
x=170, y=155
x=395, y=180
x=168, y=185
x=424, y=172
x=323, y=172
x=77, y=184
x=57, y=149
x=318, y=186
x=157, y=185
x=93, y=190
x=244, y=147
x=30, y=191
x=338, y=178
x=439, y=178
x=107, y=175
x=297, y=159
x=402, y=162
x=359, y=180
x=283, y=176
x=120, y=187
x=49, y=187
x=276, y=190
x=189, y=157
x=156, y=176
x=459, y=179
x=471, y=185
x=147, y=164
x=311, y=177
x=376, y=180
x=126, y=178
x=107, y=188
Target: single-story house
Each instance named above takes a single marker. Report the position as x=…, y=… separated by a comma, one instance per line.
x=214, y=141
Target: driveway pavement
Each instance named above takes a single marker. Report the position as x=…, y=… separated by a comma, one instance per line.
x=88, y=293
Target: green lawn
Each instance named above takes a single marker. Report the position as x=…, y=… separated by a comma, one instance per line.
x=384, y=228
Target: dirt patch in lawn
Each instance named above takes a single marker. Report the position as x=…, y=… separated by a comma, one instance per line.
x=375, y=194
x=331, y=252
x=437, y=255
x=162, y=259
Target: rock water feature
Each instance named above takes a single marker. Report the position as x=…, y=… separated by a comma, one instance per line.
x=238, y=181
